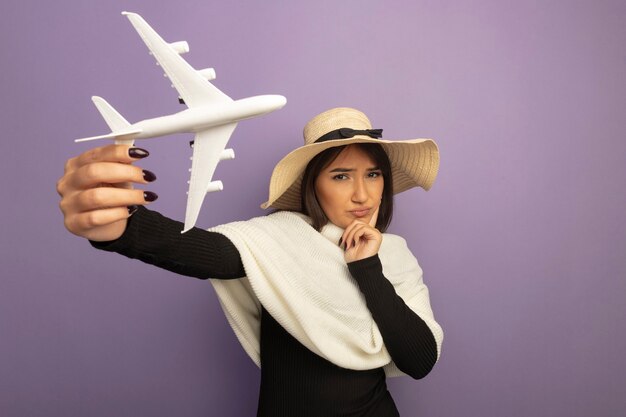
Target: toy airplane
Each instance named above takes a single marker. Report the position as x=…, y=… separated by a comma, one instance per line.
x=211, y=115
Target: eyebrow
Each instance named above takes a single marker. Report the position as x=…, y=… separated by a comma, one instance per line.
x=352, y=169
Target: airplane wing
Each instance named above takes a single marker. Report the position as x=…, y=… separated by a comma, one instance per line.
x=194, y=88
x=207, y=149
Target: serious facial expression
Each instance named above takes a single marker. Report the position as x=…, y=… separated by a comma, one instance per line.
x=350, y=187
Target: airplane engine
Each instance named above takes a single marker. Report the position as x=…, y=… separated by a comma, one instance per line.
x=181, y=47
x=227, y=154
x=208, y=73
x=214, y=186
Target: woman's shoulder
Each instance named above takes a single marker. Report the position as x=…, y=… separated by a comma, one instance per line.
x=394, y=240
x=395, y=251
x=271, y=225
x=282, y=218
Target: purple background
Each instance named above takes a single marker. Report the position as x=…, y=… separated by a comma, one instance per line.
x=522, y=238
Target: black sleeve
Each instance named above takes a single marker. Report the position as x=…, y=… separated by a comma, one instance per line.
x=156, y=239
x=408, y=339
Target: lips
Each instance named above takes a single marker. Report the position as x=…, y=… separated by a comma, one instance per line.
x=360, y=212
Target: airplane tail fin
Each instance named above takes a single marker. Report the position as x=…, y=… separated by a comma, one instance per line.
x=115, y=120
x=119, y=126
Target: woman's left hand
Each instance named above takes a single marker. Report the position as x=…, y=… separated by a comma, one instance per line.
x=361, y=240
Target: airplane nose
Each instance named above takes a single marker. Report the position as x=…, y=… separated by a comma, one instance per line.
x=278, y=101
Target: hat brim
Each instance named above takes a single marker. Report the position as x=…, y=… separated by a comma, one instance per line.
x=414, y=163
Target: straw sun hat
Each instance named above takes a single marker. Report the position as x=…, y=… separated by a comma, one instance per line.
x=414, y=163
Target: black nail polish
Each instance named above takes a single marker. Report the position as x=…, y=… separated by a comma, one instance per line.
x=149, y=196
x=138, y=153
x=132, y=210
x=340, y=241
x=148, y=176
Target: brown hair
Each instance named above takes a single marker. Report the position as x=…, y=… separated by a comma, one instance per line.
x=312, y=208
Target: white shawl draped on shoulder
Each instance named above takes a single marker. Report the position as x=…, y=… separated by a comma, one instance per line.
x=301, y=278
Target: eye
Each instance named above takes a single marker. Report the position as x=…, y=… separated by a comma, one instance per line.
x=340, y=177
x=375, y=174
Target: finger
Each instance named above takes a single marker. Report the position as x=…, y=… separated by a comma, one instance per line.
x=80, y=223
x=64, y=187
x=105, y=197
x=355, y=239
x=356, y=223
x=346, y=232
x=354, y=234
x=374, y=217
x=109, y=153
x=91, y=175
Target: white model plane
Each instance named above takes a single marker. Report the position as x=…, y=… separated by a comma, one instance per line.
x=211, y=115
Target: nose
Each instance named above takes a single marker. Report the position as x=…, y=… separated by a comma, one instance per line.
x=359, y=193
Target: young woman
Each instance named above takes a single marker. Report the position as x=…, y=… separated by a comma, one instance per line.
x=323, y=300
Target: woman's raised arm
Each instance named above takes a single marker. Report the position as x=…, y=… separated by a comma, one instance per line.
x=97, y=199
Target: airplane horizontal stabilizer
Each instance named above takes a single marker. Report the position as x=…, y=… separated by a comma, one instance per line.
x=124, y=134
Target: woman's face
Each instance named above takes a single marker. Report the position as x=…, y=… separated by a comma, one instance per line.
x=351, y=187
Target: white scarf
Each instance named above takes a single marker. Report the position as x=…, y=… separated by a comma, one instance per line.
x=301, y=278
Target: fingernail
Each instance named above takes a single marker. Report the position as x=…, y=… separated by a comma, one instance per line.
x=132, y=210
x=340, y=240
x=149, y=196
x=138, y=153
x=148, y=176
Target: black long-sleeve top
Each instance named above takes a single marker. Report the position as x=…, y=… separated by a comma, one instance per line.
x=294, y=380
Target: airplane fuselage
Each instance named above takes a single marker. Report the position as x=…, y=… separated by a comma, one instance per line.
x=203, y=117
